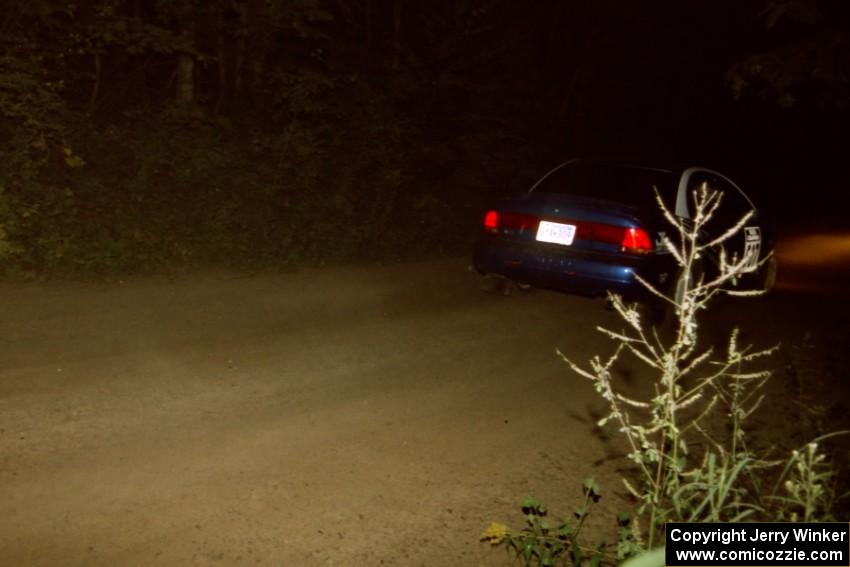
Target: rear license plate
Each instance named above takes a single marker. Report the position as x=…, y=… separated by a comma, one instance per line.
x=556, y=233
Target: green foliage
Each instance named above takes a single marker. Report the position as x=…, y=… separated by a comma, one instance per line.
x=542, y=543
x=8, y=249
x=31, y=112
x=808, y=485
x=653, y=558
x=181, y=186
x=104, y=27
x=296, y=146
x=809, y=62
x=32, y=125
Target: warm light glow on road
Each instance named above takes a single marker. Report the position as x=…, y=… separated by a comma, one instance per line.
x=815, y=250
x=814, y=263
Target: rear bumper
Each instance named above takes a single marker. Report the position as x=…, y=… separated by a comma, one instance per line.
x=560, y=268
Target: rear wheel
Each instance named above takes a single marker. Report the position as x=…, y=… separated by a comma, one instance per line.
x=683, y=282
x=493, y=283
x=490, y=283
x=686, y=280
x=654, y=313
x=769, y=274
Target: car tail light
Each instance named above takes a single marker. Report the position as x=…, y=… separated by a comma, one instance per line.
x=519, y=221
x=605, y=233
x=636, y=240
x=495, y=221
x=631, y=240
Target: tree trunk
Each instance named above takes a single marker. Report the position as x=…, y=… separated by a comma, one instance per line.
x=348, y=19
x=369, y=25
x=10, y=20
x=185, y=92
x=567, y=97
x=252, y=64
x=185, y=79
x=398, y=6
x=230, y=24
x=95, y=90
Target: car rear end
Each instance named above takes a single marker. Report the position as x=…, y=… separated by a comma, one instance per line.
x=585, y=228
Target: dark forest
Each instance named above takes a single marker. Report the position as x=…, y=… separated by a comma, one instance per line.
x=250, y=132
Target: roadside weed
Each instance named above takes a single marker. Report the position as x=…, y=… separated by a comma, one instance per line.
x=687, y=445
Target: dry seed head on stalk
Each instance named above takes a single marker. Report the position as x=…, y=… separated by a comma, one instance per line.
x=735, y=229
x=705, y=203
x=631, y=402
x=690, y=400
x=656, y=430
x=732, y=349
x=631, y=489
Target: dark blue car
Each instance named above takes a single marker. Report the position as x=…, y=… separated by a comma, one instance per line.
x=591, y=226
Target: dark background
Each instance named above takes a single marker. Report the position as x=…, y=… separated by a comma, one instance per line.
x=242, y=132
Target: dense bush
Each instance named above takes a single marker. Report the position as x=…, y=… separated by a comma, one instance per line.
x=285, y=142
x=161, y=185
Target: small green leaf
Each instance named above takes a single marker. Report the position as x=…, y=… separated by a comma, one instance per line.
x=596, y=558
x=530, y=502
x=565, y=531
x=578, y=556
x=592, y=488
x=654, y=558
x=532, y=507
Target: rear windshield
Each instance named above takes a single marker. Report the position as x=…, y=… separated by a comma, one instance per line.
x=625, y=184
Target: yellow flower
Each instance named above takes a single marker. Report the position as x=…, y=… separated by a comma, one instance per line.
x=72, y=160
x=495, y=534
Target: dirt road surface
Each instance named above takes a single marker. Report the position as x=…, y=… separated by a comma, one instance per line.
x=348, y=416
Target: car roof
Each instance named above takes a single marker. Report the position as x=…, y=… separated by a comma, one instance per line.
x=631, y=162
x=674, y=166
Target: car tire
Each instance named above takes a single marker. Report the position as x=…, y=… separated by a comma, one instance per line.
x=669, y=322
x=678, y=291
x=769, y=274
x=490, y=283
x=654, y=313
x=494, y=283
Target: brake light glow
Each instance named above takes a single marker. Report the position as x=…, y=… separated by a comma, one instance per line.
x=519, y=221
x=495, y=221
x=630, y=240
x=636, y=240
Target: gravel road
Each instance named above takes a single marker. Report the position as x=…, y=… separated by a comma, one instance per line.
x=346, y=416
